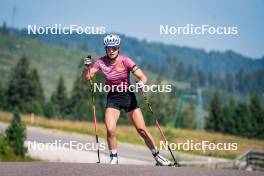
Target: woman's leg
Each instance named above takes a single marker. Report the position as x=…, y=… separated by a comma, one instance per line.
x=138, y=121
x=111, y=118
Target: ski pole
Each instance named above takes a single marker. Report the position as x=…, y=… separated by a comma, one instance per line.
x=158, y=126
x=95, y=122
x=87, y=63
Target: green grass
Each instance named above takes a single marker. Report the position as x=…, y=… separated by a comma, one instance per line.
x=128, y=134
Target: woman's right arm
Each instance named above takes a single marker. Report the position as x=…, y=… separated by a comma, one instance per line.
x=89, y=72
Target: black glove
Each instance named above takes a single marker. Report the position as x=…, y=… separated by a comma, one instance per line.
x=87, y=61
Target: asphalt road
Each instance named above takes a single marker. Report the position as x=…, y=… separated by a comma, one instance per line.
x=128, y=153
x=134, y=160
x=78, y=169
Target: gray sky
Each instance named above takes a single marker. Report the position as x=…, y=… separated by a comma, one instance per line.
x=141, y=19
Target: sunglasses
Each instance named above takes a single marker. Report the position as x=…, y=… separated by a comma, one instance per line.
x=112, y=48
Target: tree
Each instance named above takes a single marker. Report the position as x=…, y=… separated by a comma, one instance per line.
x=215, y=117
x=2, y=97
x=240, y=77
x=51, y=110
x=37, y=92
x=4, y=29
x=24, y=90
x=16, y=135
x=188, y=116
x=229, y=116
x=209, y=80
x=18, y=91
x=257, y=116
x=201, y=77
x=79, y=104
x=36, y=105
x=60, y=97
x=230, y=82
x=242, y=117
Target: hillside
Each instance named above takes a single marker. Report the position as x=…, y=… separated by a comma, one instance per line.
x=158, y=53
x=228, y=71
x=51, y=61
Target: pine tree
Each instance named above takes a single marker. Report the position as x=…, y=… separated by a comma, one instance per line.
x=257, y=117
x=4, y=29
x=52, y=110
x=215, y=117
x=2, y=97
x=60, y=97
x=18, y=91
x=16, y=135
x=209, y=79
x=229, y=116
x=242, y=117
x=188, y=116
x=37, y=94
x=229, y=82
x=240, y=77
x=79, y=101
x=36, y=87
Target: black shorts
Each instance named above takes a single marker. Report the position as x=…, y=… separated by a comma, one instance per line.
x=122, y=100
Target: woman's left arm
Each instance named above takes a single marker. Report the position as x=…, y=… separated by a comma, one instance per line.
x=139, y=74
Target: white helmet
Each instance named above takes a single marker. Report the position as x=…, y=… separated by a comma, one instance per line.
x=112, y=40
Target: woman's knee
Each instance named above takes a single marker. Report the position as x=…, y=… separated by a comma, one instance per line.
x=111, y=131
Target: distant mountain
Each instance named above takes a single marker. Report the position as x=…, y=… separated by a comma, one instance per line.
x=213, y=62
x=193, y=69
x=59, y=54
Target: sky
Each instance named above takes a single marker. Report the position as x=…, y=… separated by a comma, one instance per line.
x=142, y=19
